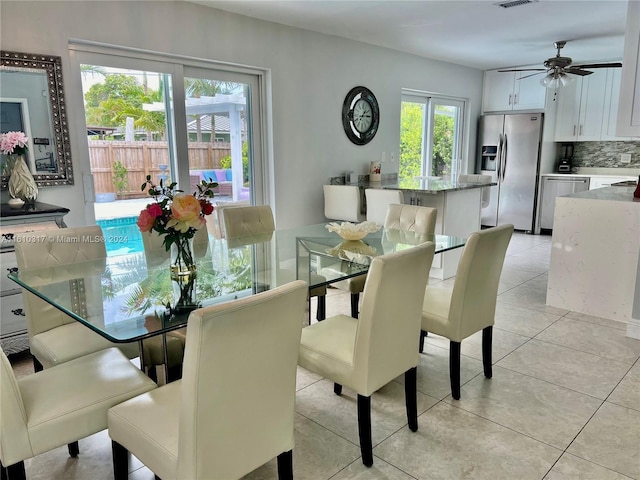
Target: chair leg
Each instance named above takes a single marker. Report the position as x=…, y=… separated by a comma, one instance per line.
x=364, y=430
x=487, y=339
x=74, y=449
x=321, y=312
x=37, y=366
x=285, y=465
x=454, y=369
x=411, y=397
x=13, y=472
x=423, y=335
x=337, y=389
x=120, y=461
x=355, y=300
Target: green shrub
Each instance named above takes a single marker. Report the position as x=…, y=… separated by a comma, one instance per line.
x=120, y=179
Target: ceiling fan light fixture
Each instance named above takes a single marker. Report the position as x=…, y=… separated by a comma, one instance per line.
x=556, y=79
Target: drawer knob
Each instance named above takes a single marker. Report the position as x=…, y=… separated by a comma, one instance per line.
x=18, y=311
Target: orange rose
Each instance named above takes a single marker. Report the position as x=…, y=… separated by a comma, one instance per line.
x=185, y=213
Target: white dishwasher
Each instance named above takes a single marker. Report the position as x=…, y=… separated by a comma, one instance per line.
x=557, y=186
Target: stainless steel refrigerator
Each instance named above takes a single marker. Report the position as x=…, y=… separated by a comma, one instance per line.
x=509, y=151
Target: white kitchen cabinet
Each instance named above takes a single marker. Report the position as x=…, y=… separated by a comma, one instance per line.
x=611, y=103
x=503, y=91
x=580, y=108
x=606, y=180
x=628, y=124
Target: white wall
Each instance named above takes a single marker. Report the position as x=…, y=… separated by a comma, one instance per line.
x=311, y=74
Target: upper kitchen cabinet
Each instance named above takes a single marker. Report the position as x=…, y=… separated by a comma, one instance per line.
x=628, y=124
x=503, y=91
x=581, y=113
x=611, y=103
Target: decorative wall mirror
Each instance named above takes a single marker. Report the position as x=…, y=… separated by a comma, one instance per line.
x=32, y=101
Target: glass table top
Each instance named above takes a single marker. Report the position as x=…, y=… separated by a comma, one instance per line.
x=132, y=297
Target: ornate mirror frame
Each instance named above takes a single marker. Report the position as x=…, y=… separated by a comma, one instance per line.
x=52, y=66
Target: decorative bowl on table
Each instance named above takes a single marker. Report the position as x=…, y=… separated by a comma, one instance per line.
x=353, y=231
x=354, y=251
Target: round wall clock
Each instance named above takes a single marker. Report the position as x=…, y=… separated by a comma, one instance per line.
x=360, y=115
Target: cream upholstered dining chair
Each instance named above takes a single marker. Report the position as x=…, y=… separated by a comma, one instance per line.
x=215, y=222
x=343, y=202
x=470, y=306
x=55, y=337
x=399, y=218
x=473, y=178
x=378, y=200
x=233, y=410
x=256, y=223
x=61, y=404
x=367, y=353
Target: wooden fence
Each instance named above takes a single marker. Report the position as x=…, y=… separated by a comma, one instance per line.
x=142, y=159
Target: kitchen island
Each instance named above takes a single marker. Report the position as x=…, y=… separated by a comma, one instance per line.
x=595, y=264
x=458, y=204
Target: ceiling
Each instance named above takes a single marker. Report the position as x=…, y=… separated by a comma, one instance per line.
x=475, y=33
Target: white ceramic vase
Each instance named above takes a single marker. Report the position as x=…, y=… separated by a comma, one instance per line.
x=22, y=185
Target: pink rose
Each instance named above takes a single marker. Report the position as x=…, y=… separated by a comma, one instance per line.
x=154, y=210
x=145, y=221
x=185, y=211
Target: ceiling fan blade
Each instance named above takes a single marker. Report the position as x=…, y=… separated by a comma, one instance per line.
x=524, y=70
x=600, y=65
x=577, y=71
x=531, y=75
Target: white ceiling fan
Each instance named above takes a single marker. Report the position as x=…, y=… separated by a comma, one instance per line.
x=558, y=69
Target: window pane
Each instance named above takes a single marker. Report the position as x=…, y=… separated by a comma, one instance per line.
x=218, y=137
x=412, y=123
x=444, y=139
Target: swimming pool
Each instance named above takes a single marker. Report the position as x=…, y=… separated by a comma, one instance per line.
x=122, y=236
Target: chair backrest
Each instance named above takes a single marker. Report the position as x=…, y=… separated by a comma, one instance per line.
x=390, y=317
x=42, y=249
x=343, y=202
x=155, y=252
x=216, y=222
x=238, y=383
x=475, y=290
x=412, y=218
x=13, y=417
x=473, y=178
x=378, y=200
x=250, y=221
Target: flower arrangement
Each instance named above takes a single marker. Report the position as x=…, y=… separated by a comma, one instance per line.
x=177, y=216
x=14, y=143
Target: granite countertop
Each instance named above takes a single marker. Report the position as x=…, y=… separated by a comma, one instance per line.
x=424, y=185
x=615, y=194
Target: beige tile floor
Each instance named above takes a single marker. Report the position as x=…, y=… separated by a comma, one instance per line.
x=563, y=403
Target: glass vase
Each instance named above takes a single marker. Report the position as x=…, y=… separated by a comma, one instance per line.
x=184, y=293
x=183, y=262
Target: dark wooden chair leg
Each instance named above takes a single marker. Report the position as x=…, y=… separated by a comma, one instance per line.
x=411, y=397
x=337, y=389
x=423, y=335
x=364, y=430
x=321, y=312
x=156, y=477
x=13, y=472
x=120, y=461
x=454, y=369
x=285, y=465
x=37, y=366
x=355, y=300
x=487, y=339
x=74, y=449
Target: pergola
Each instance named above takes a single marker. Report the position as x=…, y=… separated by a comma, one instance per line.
x=218, y=104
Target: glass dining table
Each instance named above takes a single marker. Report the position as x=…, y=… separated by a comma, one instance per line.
x=132, y=297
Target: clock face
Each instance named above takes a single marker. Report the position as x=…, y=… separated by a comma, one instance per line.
x=360, y=115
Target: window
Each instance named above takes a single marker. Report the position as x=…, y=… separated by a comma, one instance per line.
x=177, y=119
x=430, y=137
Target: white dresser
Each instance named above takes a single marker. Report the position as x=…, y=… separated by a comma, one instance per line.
x=28, y=218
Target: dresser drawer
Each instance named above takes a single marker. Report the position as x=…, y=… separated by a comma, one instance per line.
x=13, y=318
x=7, y=262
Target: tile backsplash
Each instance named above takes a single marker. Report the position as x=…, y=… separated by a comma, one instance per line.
x=605, y=154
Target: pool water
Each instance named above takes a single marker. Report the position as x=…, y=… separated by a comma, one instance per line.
x=122, y=236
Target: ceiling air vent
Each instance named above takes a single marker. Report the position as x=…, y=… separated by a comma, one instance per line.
x=514, y=3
